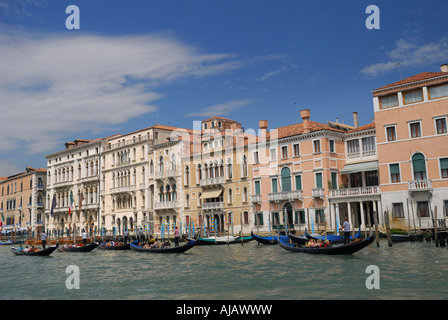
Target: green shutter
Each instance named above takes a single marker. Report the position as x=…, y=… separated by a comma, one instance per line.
x=298, y=182
x=274, y=186
x=319, y=180
x=286, y=179
x=257, y=187
x=444, y=163
x=418, y=162
x=394, y=168
x=334, y=180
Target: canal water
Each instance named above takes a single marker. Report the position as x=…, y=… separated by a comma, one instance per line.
x=250, y=271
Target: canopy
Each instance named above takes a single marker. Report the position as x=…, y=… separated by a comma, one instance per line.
x=360, y=167
x=211, y=194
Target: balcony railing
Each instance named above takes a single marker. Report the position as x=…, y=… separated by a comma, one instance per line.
x=255, y=198
x=318, y=192
x=212, y=181
x=122, y=189
x=286, y=195
x=353, y=192
x=165, y=205
x=420, y=185
x=212, y=205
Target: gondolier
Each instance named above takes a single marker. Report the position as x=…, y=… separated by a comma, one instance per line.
x=43, y=237
x=346, y=227
x=84, y=236
x=176, y=237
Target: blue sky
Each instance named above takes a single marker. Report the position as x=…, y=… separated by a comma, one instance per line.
x=136, y=63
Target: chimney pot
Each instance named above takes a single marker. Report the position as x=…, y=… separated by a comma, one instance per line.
x=305, y=114
x=263, y=124
x=355, y=119
x=444, y=67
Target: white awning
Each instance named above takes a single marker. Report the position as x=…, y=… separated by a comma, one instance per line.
x=360, y=167
x=211, y=194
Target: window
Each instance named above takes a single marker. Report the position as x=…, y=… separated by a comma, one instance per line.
x=257, y=187
x=445, y=208
x=316, y=145
x=299, y=216
x=331, y=146
x=274, y=184
x=441, y=125
x=320, y=216
x=298, y=182
x=256, y=159
x=371, y=178
x=296, y=148
x=389, y=101
x=318, y=179
x=259, y=219
x=273, y=154
x=415, y=130
x=284, y=152
x=394, y=170
x=397, y=210
x=419, y=166
x=438, y=91
x=286, y=179
x=368, y=144
x=444, y=167
x=422, y=209
x=413, y=96
x=353, y=146
x=334, y=180
x=391, y=134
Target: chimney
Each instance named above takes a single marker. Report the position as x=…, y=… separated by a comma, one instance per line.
x=444, y=67
x=263, y=124
x=305, y=114
x=355, y=120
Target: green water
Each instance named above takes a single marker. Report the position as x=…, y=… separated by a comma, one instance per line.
x=252, y=271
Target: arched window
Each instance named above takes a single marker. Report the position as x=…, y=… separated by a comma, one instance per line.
x=419, y=166
x=187, y=175
x=244, y=167
x=161, y=194
x=286, y=179
x=161, y=164
x=168, y=193
x=174, y=197
x=245, y=194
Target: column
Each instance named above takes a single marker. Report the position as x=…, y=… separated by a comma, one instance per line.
x=349, y=213
x=361, y=208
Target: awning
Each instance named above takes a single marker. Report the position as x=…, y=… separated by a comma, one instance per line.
x=360, y=167
x=211, y=194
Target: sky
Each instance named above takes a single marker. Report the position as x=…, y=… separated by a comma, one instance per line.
x=136, y=63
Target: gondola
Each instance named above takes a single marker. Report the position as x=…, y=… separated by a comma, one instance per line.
x=5, y=243
x=119, y=247
x=268, y=240
x=332, y=250
x=210, y=241
x=43, y=252
x=395, y=237
x=85, y=248
x=297, y=239
x=334, y=238
x=190, y=244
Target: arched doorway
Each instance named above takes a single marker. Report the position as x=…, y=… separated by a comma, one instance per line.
x=288, y=209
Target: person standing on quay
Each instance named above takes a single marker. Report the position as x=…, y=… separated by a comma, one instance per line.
x=176, y=237
x=346, y=227
x=43, y=237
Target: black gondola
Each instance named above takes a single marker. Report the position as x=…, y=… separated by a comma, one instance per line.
x=211, y=241
x=268, y=239
x=337, y=249
x=190, y=244
x=119, y=247
x=302, y=240
x=85, y=248
x=44, y=252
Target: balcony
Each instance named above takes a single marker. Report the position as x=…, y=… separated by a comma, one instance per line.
x=122, y=189
x=318, y=193
x=355, y=192
x=286, y=195
x=212, y=205
x=419, y=185
x=212, y=181
x=255, y=198
x=165, y=205
x=158, y=175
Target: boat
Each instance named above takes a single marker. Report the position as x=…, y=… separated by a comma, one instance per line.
x=43, y=252
x=396, y=237
x=334, y=238
x=119, y=247
x=5, y=243
x=190, y=244
x=332, y=250
x=297, y=239
x=222, y=240
x=268, y=239
x=85, y=248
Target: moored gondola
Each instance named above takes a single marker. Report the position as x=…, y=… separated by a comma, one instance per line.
x=331, y=250
x=189, y=245
x=302, y=240
x=267, y=240
x=85, y=248
x=43, y=252
x=117, y=247
x=334, y=238
x=210, y=241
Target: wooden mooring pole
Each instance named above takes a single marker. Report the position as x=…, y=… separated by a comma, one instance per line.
x=386, y=221
x=435, y=227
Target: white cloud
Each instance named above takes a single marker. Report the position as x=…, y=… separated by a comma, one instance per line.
x=220, y=109
x=410, y=53
x=54, y=85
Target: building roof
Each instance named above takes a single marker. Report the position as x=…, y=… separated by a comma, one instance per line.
x=364, y=127
x=296, y=129
x=418, y=77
